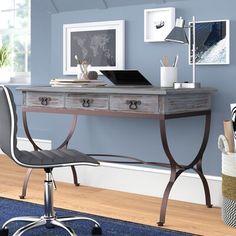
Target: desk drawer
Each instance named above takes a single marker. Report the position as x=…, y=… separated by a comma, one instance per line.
x=135, y=103
x=87, y=101
x=184, y=103
x=44, y=99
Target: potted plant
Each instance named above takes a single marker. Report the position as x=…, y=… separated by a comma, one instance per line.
x=4, y=63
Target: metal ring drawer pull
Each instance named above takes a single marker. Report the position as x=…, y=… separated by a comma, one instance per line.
x=133, y=104
x=44, y=100
x=86, y=102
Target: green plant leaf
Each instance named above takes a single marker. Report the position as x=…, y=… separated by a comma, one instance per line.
x=4, y=56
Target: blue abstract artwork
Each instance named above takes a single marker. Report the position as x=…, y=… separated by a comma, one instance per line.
x=212, y=42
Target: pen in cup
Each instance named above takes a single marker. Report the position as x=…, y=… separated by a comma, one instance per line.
x=165, y=61
x=161, y=63
x=176, y=60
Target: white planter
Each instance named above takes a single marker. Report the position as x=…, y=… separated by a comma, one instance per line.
x=5, y=75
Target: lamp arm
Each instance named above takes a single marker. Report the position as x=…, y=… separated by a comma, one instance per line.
x=194, y=51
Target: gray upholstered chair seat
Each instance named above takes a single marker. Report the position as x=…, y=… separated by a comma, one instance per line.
x=54, y=158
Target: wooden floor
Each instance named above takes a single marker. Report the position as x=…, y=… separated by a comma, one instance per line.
x=131, y=207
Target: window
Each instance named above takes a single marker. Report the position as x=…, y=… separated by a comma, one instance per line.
x=15, y=34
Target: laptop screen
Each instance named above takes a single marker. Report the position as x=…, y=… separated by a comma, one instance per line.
x=125, y=77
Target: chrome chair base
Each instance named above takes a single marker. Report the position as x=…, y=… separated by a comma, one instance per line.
x=49, y=220
x=50, y=223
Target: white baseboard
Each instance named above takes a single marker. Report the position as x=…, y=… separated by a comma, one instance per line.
x=24, y=144
x=145, y=181
x=136, y=179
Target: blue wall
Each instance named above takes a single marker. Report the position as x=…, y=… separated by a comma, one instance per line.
x=138, y=137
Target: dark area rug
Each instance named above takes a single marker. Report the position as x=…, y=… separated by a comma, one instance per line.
x=111, y=227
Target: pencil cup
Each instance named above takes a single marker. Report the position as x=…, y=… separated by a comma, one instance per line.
x=168, y=76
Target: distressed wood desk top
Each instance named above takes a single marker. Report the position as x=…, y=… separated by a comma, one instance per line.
x=116, y=101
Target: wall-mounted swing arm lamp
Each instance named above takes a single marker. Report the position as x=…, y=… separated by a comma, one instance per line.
x=178, y=35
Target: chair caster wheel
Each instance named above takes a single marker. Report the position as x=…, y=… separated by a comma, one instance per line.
x=4, y=232
x=49, y=226
x=97, y=230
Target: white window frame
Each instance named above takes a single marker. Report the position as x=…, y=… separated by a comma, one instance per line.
x=19, y=77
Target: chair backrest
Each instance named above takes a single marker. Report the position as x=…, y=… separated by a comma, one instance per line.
x=8, y=122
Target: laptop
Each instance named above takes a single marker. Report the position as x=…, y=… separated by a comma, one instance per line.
x=126, y=78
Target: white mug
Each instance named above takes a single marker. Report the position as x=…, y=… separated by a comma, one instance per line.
x=168, y=76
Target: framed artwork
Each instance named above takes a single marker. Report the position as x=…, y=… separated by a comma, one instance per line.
x=212, y=42
x=99, y=43
x=158, y=23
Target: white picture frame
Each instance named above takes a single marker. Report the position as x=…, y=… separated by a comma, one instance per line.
x=212, y=42
x=101, y=43
x=158, y=23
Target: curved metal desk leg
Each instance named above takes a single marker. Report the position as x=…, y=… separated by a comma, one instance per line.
x=166, y=197
x=198, y=160
x=206, y=188
x=36, y=147
x=25, y=183
x=65, y=144
x=199, y=163
x=27, y=132
x=70, y=133
x=173, y=177
x=174, y=165
x=75, y=177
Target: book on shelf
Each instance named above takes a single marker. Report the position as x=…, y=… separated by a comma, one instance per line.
x=76, y=83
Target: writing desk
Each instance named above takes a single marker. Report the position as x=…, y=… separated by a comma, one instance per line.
x=152, y=102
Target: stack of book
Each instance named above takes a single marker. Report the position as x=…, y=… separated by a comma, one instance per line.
x=76, y=83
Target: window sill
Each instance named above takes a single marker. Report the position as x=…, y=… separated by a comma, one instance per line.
x=18, y=81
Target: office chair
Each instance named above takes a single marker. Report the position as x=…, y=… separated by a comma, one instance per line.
x=45, y=159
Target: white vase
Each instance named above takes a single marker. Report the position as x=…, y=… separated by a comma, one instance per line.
x=82, y=71
x=5, y=75
x=79, y=73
